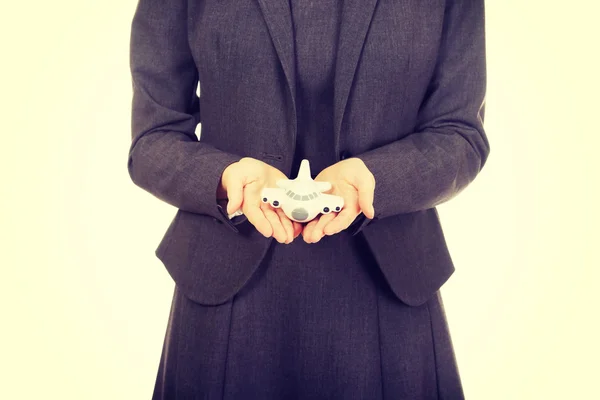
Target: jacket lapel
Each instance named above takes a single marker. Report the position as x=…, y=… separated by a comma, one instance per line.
x=278, y=17
x=356, y=17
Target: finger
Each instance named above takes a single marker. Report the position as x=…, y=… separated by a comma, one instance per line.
x=366, y=191
x=298, y=227
x=257, y=218
x=251, y=208
x=341, y=221
x=287, y=225
x=308, y=228
x=317, y=232
x=279, y=232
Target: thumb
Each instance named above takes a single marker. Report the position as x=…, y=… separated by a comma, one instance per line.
x=235, y=194
x=366, y=188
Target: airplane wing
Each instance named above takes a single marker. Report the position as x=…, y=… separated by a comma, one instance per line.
x=273, y=195
x=284, y=183
x=331, y=201
x=323, y=186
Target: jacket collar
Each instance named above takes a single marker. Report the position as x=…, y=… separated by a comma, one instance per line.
x=356, y=17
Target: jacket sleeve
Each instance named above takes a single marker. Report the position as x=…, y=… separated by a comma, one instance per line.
x=165, y=157
x=449, y=146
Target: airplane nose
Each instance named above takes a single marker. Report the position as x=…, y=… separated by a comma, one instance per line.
x=300, y=214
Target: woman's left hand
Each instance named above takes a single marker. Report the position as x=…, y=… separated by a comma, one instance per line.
x=352, y=180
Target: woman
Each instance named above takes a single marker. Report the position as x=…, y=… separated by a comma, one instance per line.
x=385, y=99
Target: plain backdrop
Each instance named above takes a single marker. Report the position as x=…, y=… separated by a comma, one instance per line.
x=84, y=301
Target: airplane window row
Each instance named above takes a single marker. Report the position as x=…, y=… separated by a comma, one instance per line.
x=295, y=196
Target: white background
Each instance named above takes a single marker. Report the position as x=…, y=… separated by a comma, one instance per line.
x=85, y=302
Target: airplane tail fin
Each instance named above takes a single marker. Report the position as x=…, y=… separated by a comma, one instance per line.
x=304, y=172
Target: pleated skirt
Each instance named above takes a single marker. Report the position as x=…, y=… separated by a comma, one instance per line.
x=315, y=321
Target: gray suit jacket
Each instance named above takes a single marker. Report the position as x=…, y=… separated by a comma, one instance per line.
x=408, y=101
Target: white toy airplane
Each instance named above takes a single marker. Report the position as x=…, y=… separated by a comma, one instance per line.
x=302, y=199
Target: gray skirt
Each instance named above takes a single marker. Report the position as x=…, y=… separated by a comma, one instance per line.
x=316, y=321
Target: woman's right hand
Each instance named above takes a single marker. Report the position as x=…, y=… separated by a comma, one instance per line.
x=243, y=182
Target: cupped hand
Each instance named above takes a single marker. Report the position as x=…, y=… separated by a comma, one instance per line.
x=352, y=180
x=243, y=182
